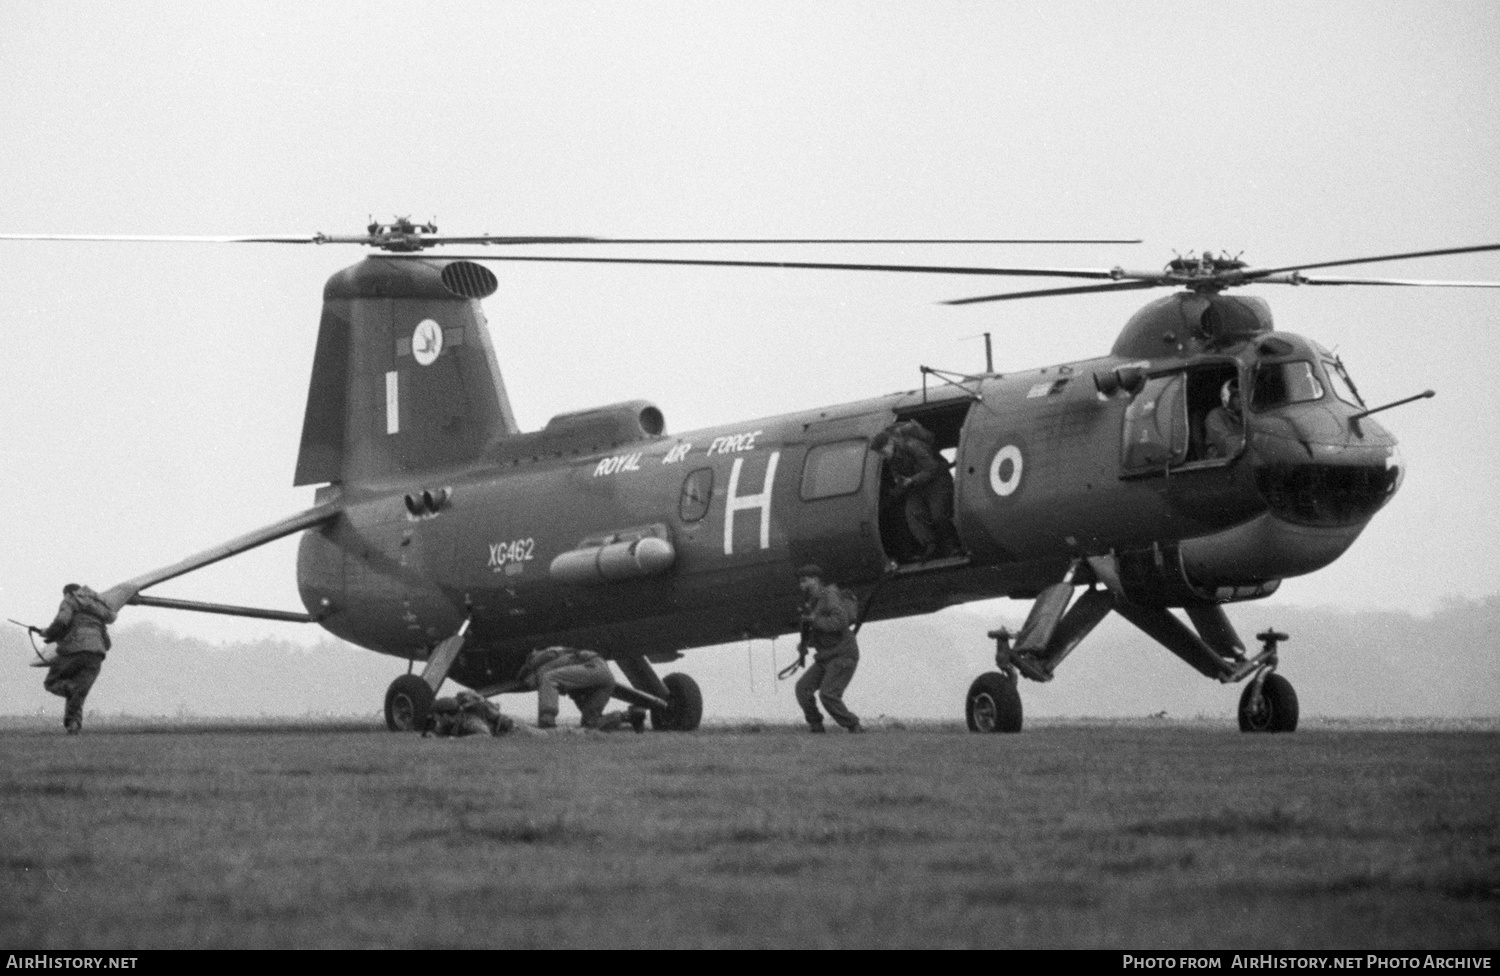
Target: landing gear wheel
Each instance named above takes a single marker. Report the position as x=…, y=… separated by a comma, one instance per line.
x=993, y=705
x=1276, y=709
x=684, y=709
x=408, y=703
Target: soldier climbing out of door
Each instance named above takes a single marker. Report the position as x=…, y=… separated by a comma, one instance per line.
x=922, y=485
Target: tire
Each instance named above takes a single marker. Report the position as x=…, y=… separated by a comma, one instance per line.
x=993, y=704
x=684, y=711
x=1278, y=707
x=408, y=704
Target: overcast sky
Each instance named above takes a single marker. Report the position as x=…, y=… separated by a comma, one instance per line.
x=153, y=394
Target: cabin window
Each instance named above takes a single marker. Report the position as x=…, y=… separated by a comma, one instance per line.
x=833, y=469
x=1278, y=384
x=1156, y=425
x=697, y=493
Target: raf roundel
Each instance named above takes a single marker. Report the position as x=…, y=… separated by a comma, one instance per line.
x=427, y=342
x=1005, y=470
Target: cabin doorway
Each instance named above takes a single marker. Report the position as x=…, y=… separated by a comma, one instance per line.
x=916, y=523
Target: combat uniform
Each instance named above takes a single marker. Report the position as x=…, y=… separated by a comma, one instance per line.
x=468, y=714
x=924, y=486
x=828, y=623
x=582, y=675
x=82, y=638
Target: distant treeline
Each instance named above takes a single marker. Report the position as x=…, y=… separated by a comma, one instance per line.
x=1343, y=663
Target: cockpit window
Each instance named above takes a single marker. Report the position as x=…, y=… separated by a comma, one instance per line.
x=1343, y=386
x=1277, y=384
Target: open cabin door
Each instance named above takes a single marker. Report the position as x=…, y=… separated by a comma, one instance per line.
x=945, y=422
x=1166, y=424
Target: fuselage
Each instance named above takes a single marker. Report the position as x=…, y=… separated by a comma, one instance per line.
x=1099, y=465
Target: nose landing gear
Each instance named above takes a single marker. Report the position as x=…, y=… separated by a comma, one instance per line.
x=1269, y=703
x=993, y=704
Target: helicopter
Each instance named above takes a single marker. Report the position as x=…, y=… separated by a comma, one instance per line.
x=442, y=534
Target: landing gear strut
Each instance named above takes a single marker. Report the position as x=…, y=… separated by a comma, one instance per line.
x=1057, y=623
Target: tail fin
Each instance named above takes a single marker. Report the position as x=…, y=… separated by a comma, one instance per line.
x=404, y=378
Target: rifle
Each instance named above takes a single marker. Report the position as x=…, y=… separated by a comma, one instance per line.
x=859, y=621
x=796, y=665
x=44, y=659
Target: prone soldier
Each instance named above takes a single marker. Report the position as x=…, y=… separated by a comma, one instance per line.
x=467, y=713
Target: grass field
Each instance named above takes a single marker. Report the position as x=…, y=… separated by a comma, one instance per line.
x=1073, y=834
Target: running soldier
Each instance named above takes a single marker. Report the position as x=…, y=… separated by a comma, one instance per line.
x=82, y=636
x=828, y=617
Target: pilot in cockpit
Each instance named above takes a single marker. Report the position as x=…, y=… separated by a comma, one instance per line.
x=1224, y=427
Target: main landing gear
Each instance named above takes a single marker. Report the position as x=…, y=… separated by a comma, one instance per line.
x=408, y=701
x=675, y=702
x=1054, y=628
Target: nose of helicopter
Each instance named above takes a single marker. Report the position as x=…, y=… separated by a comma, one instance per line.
x=1318, y=467
x=1322, y=477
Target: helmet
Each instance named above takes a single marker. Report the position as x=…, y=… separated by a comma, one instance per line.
x=1229, y=391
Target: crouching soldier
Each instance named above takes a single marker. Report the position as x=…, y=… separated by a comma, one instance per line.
x=467, y=713
x=82, y=638
x=583, y=676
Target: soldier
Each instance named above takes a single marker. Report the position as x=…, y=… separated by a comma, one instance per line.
x=584, y=677
x=82, y=637
x=1224, y=427
x=468, y=713
x=828, y=617
x=922, y=484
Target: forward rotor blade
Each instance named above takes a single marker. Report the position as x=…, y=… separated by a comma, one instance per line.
x=1076, y=290
x=813, y=265
x=1399, y=282
x=1255, y=274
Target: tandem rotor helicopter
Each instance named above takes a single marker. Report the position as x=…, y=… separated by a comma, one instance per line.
x=443, y=534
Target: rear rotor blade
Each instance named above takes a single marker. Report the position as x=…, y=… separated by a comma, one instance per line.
x=814, y=265
x=171, y=238
x=416, y=240
x=487, y=239
x=1076, y=290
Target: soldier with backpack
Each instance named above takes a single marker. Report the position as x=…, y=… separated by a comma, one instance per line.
x=828, y=618
x=82, y=637
x=583, y=676
x=467, y=713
